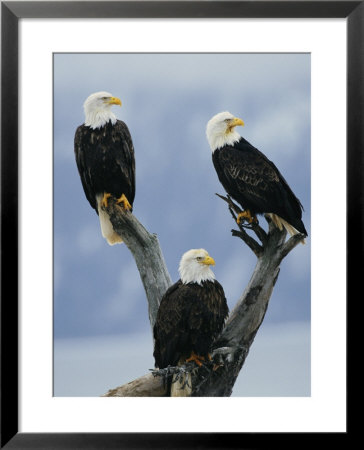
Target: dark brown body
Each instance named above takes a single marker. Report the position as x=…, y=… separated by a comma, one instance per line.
x=189, y=318
x=105, y=161
x=251, y=179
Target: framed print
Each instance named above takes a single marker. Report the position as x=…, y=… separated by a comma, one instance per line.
x=293, y=69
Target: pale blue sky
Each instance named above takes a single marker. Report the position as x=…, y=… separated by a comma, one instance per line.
x=167, y=101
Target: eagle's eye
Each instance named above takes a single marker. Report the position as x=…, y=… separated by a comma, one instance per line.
x=104, y=98
x=199, y=258
x=227, y=120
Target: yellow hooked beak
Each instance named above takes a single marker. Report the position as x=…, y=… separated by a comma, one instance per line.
x=114, y=101
x=208, y=261
x=235, y=122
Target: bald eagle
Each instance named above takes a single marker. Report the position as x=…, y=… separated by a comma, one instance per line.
x=191, y=314
x=250, y=178
x=104, y=154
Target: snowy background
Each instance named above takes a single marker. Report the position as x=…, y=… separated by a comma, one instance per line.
x=102, y=336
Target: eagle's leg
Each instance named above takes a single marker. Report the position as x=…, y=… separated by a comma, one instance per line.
x=125, y=202
x=196, y=358
x=246, y=215
x=104, y=199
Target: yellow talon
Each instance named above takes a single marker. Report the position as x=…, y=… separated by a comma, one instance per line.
x=246, y=215
x=125, y=202
x=196, y=358
x=104, y=199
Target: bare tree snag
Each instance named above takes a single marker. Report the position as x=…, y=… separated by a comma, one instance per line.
x=231, y=348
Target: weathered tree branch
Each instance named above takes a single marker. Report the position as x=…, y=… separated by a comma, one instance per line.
x=145, y=386
x=231, y=348
x=147, y=253
x=252, y=243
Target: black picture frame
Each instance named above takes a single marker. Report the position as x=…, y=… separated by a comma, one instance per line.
x=11, y=12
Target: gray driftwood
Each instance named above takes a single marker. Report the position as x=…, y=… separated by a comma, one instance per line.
x=231, y=348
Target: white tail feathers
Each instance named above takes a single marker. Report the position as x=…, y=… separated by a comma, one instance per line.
x=107, y=229
x=281, y=223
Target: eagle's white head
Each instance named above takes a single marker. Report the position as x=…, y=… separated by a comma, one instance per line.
x=97, y=109
x=194, y=266
x=221, y=131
